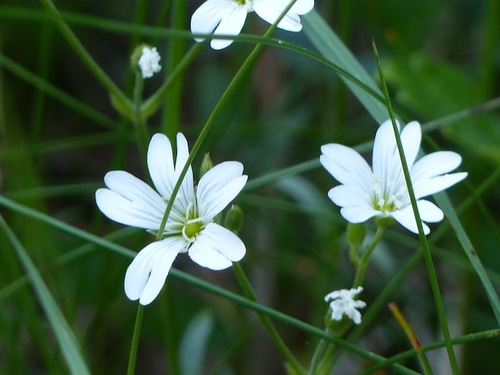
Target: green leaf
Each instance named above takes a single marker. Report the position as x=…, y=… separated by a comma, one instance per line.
x=434, y=89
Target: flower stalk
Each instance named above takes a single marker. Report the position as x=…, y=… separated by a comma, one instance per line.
x=132, y=359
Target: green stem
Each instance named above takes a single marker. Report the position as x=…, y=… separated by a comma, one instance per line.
x=250, y=294
x=423, y=240
x=322, y=358
x=96, y=70
x=152, y=103
x=360, y=273
x=135, y=340
x=139, y=123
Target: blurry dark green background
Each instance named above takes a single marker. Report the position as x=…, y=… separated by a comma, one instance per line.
x=59, y=135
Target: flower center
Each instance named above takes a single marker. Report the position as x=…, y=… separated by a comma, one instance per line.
x=247, y=4
x=191, y=229
x=193, y=224
x=386, y=201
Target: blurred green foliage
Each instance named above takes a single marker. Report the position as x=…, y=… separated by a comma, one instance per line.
x=59, y=135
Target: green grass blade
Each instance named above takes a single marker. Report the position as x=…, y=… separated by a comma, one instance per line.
x=61, y=329
x=447, y=207
x=49, y=89
x=202, y=284
x=331, y=47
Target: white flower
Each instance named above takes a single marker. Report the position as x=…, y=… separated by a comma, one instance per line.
x=190, y=227
x=343, y=303
x=382, y=193
x=149, y=62
x=227, y=17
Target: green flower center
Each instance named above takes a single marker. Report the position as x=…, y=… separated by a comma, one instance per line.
x=386, y=202
x=193, y=224
x=247, y=4
x=191, y=229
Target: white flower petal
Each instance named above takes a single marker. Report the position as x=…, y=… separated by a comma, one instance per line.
x=130, y=201
x=411, y=136
x=383, y=141
x=163, y=173
x=385, y=159
x=186, y=192
x=437, y=184
x=231, y=24
x=218, y=187
x=138, y=271
x=346, y=165
x=358, y=214
x=302, y=6
x=161, y=164
x=343, y=196
x=147, y=273
x=216, y=248
x=206, y=18
x=429, y=212
x=269, y=11
x=435, y=164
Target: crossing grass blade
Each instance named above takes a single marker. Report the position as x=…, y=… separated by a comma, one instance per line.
x=62, y=331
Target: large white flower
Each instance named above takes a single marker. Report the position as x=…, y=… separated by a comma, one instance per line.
x=227, y=17
x=190, y=227
x=382, y=192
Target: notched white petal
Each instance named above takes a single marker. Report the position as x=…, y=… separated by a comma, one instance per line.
x=206, y=18
x=270, y=11
x=161, y=164
x=124, y=211
x=437, y=184
x=148, y=271
x=216, y=248
x=218, y=187
x=231, y=24
x=435, y=164
x=346, y=165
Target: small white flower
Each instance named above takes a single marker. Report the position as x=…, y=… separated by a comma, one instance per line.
x=190, y=227
x=149, y=62
x=227, y=17
x=382, y=193
x=343, y=303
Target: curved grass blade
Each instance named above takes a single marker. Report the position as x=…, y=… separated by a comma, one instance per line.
x=62, y=331
x=331, y=47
